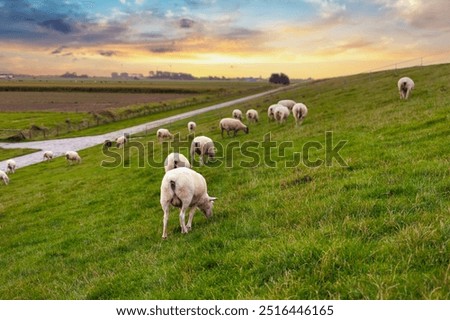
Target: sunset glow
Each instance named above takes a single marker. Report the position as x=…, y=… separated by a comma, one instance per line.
x=303, y=38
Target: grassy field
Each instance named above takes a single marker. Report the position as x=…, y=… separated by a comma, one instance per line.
x=12, y=153
x=373, y=224
x=65, y=108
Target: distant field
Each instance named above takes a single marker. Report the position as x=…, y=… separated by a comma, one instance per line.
x=374, y=227
x=78, y=101
x=39, y=109
x=12, y=153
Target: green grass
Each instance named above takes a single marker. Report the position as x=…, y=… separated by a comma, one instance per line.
x=376, y=228
x=12, y=153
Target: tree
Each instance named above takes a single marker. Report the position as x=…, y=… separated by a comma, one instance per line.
x=279, y=79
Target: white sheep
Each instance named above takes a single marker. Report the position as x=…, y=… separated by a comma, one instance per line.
x=405, y=86
x=120, y=141
x=192, y=126
x=300, y=111
x=237, y=114
x=73, y=156
x=281, y=113
x=10, y=166
x=230, y=124
x=252, y=115
x=204, y=147
x=287, y=103
x=48, y=155
x=175, y=160
x=185, y=189
x=163, y=134
x=270, y=111
x=4, y=177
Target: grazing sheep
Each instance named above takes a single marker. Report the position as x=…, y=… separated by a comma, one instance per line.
x=270, y=111
x=300, y=111
x=10, y=166
x=192, y=126
x=204, y=147
x=120, y=141
x=281, y=114
x=185, y=189
x=237, y=114
x=4, y=177
x=405, y=86
x=73, y=156
x=175, y=160
x=287, y=103
x=163, y=134
x=229, y=124
x=252, y=115
x=48, y=155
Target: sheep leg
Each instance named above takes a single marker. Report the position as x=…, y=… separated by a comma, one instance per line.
x=165, y=220
x=182, y=220
x=191, y=216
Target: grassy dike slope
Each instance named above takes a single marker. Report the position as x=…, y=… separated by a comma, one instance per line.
x=377, y=227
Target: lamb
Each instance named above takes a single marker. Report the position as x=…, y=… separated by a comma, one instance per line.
x=237, y=114
x=270, y=111
x=204, y=147
x=73, y=156
x=175, y=160
x=120, y=141
x=163, y=134
x=48, y=155
x=281, y=113
x=4, y=177
x=287, y=103
x=252, y=115
x=229, y=124
x=185, y=189
x=107, y=143
x=300, y=111
x=10, y=166
x=405, y=86
x=192, y=126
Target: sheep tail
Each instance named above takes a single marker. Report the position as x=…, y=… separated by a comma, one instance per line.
x=172, y=185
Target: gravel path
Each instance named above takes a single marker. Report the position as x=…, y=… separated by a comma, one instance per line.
x=60, y=146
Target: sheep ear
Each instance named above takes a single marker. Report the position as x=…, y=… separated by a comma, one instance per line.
x=212, y=199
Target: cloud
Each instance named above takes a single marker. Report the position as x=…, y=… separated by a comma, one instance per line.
x=107, y=53
x=186, y=23
x=58, y=50
x=58, y=25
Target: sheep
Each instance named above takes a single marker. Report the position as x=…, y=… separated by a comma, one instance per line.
x=270, y=111
x=185, y=189
x=204, y=147
x=175, y=160
x=237, y=114
x=73, y=156
x=287, y=103
x=192, y=126
x=10, y=166
x=230, y=124
x=252, y=115
x=281, y=113
x=4, y=177
x=120, y=141
x=48, y=155
x=300, y=111
x=163, y=134
x=405, y=86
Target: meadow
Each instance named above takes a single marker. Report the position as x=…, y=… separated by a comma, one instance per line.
x=353, y=204
x=36, y=109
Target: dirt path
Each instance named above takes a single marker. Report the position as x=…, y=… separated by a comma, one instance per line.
x=60, y=146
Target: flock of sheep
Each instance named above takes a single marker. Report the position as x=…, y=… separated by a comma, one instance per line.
x=183, y=187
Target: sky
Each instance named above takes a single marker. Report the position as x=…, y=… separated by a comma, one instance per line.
x=301, y=38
